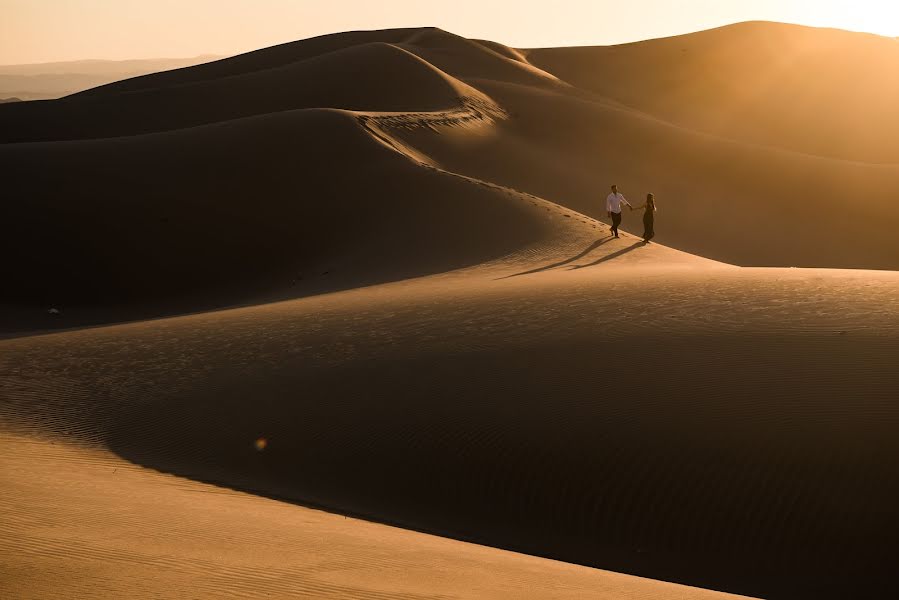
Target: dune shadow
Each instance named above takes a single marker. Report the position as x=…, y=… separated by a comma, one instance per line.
x=611, y=256
x=465, y=459
x=562, y=263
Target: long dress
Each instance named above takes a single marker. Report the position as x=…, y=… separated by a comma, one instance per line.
x=649, y=215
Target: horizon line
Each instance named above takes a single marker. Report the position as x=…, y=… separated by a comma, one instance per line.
x=220, y=55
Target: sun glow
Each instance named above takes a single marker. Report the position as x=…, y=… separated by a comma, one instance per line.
x=875, y=16
x=63, y=30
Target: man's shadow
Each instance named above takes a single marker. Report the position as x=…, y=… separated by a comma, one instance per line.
x=611, y=256
x=582, y=254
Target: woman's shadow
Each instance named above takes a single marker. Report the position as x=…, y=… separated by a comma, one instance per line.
x=611, y=256
x=567, y=261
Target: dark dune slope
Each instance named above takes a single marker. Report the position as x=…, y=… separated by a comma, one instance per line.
x=265, y=58
x=374, y=76
x=286, y=203
x=441, y=48
x=262, y=201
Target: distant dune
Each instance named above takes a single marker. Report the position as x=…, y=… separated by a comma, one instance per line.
x=42, y=81
x=814, y=91
x=370, y=273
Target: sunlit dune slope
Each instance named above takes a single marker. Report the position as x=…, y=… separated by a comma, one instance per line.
x=724, y=199
x=816, y=91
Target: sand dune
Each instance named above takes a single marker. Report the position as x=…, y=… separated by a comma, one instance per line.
x=201, y=541
x=719, y=195
x=375, y=76
x=742, y=445
x=815, y=91
x=430, y=328
x=119, y=239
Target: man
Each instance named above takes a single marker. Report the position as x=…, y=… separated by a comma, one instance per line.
x=613, y=207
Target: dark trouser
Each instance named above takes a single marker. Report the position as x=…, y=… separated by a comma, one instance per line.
x=616, y=221
x=648, y=228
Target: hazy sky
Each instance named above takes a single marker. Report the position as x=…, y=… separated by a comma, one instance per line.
x=49, y=30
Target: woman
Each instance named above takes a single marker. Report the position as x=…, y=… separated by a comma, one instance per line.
x=649, y=215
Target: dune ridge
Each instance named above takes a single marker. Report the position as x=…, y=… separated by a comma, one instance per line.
x=373, y=76
x=402, y=284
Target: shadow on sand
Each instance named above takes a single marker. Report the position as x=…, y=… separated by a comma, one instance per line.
x=611, y=256
x=582, y=254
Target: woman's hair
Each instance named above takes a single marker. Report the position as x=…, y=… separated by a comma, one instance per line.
x=650, y=199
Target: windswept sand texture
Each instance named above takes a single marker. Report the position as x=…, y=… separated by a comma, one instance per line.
x=377, y=252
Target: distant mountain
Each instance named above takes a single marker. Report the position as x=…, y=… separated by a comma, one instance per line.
x=53, y=80
x=2, y=100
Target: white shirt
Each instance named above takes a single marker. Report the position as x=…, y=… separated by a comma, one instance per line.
x=613, y=202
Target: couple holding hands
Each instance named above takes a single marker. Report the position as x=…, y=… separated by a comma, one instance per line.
x=613, y=208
